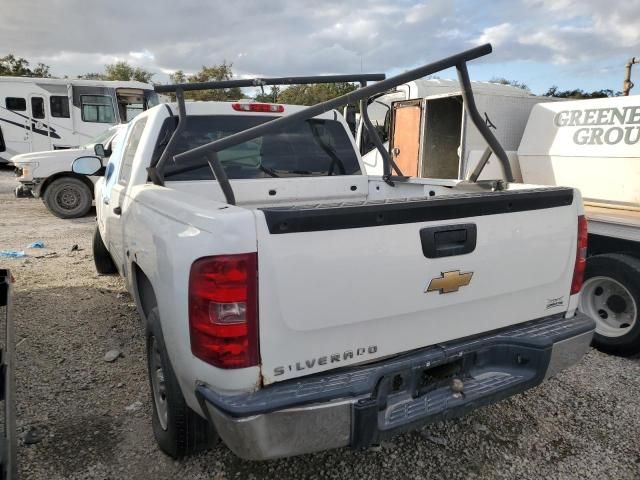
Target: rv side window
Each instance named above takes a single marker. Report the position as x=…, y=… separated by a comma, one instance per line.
x=16, y=104
x=59, y=106
x=97, y=108
x=37, y=107
x=130, y=151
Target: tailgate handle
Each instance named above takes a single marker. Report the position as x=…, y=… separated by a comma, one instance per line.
x=449, y=240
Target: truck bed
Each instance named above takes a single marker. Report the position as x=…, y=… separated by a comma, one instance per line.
x=613, y=222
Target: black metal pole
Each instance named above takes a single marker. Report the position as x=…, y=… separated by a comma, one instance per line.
x=387, y=161
x=221, y=177
x=156, y=172
x=261, y=82
x=470, y=105
x=351, y=97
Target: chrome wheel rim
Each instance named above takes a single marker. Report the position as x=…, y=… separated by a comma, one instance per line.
x=68, y=198
x=158, y=385
x=610, y=304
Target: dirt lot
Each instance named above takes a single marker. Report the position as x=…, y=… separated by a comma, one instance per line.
x=91, y=419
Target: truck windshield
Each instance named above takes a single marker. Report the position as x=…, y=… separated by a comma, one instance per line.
x=313, y=148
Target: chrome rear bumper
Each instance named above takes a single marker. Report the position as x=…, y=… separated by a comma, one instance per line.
x=361, y=406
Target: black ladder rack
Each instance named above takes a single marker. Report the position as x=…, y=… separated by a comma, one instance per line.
x=210, y=150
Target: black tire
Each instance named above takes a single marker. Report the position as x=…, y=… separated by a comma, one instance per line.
x=186, y=432
x=68, y=197
x=625, y=270
x=101, y=256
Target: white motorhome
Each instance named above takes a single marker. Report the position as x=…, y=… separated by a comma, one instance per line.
x=38, y=114
x=429, y=134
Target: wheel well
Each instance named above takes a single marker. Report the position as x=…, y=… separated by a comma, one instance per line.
x=599, y=244
x=145, y=296
x=55, y=176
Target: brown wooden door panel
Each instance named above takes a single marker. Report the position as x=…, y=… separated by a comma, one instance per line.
x=405, y=142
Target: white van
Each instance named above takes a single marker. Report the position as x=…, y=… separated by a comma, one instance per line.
x=39, y=114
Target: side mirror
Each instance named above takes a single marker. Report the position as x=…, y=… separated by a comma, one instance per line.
x=87, y=166
x=98, y=149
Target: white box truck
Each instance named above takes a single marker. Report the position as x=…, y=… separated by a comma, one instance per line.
x=594, y=145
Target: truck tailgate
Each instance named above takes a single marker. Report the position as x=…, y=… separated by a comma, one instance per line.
x=349, y=283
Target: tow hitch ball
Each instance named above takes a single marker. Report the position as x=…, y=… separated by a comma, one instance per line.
x=457, y=387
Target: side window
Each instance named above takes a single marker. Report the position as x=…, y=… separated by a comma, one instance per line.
x=97, y=108
x=37, y=107
x=3, y=147
x=16, y=104
x=130, y=151
x=59, y=106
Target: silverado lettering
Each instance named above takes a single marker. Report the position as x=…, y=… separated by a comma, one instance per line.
x=323, y=360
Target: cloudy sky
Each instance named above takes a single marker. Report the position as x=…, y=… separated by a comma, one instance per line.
x=568, y=43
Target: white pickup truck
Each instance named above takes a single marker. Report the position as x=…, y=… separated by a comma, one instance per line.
x=293, y=304
x=48, y=175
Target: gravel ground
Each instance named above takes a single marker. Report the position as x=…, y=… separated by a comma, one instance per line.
x=93, y=418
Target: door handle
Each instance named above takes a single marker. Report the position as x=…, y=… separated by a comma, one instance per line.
x=105, y=201
x=449, y=240
x=395, y=151
x=117, y=210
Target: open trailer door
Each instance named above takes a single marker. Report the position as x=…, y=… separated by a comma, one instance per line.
x=406, y=131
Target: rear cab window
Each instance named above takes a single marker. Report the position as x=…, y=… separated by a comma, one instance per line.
x=316, y=147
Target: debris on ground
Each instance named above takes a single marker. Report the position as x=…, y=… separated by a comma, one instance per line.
x=33, y=435
x=36, y=244
x=12, y=253
x=134, y=407
x=112, y=355
x=48, y=255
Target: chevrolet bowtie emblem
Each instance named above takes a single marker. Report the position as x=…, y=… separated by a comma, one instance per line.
x=449, y=282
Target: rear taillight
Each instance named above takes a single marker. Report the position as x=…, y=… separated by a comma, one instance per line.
x=581, y=256
x=223, y=310
x=258, y=107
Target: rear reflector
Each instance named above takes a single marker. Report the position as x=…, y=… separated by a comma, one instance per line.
x=258, y=107
x=223, y=310
x=581, y=256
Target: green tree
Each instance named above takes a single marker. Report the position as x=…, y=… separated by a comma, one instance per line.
x=513, y=83
x=209, y=74
x=10, y=65
x=120, y=71
x=272, y=96
x=579, y=93
x=313, y=93
x=93, y=76
x=124, y=71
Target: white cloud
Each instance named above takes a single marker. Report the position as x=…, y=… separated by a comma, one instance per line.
x=303, y=37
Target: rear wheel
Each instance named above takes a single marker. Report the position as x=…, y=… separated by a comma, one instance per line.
x=68, y=197
x=179, y=431
x=611, y=296
x=101, y=256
